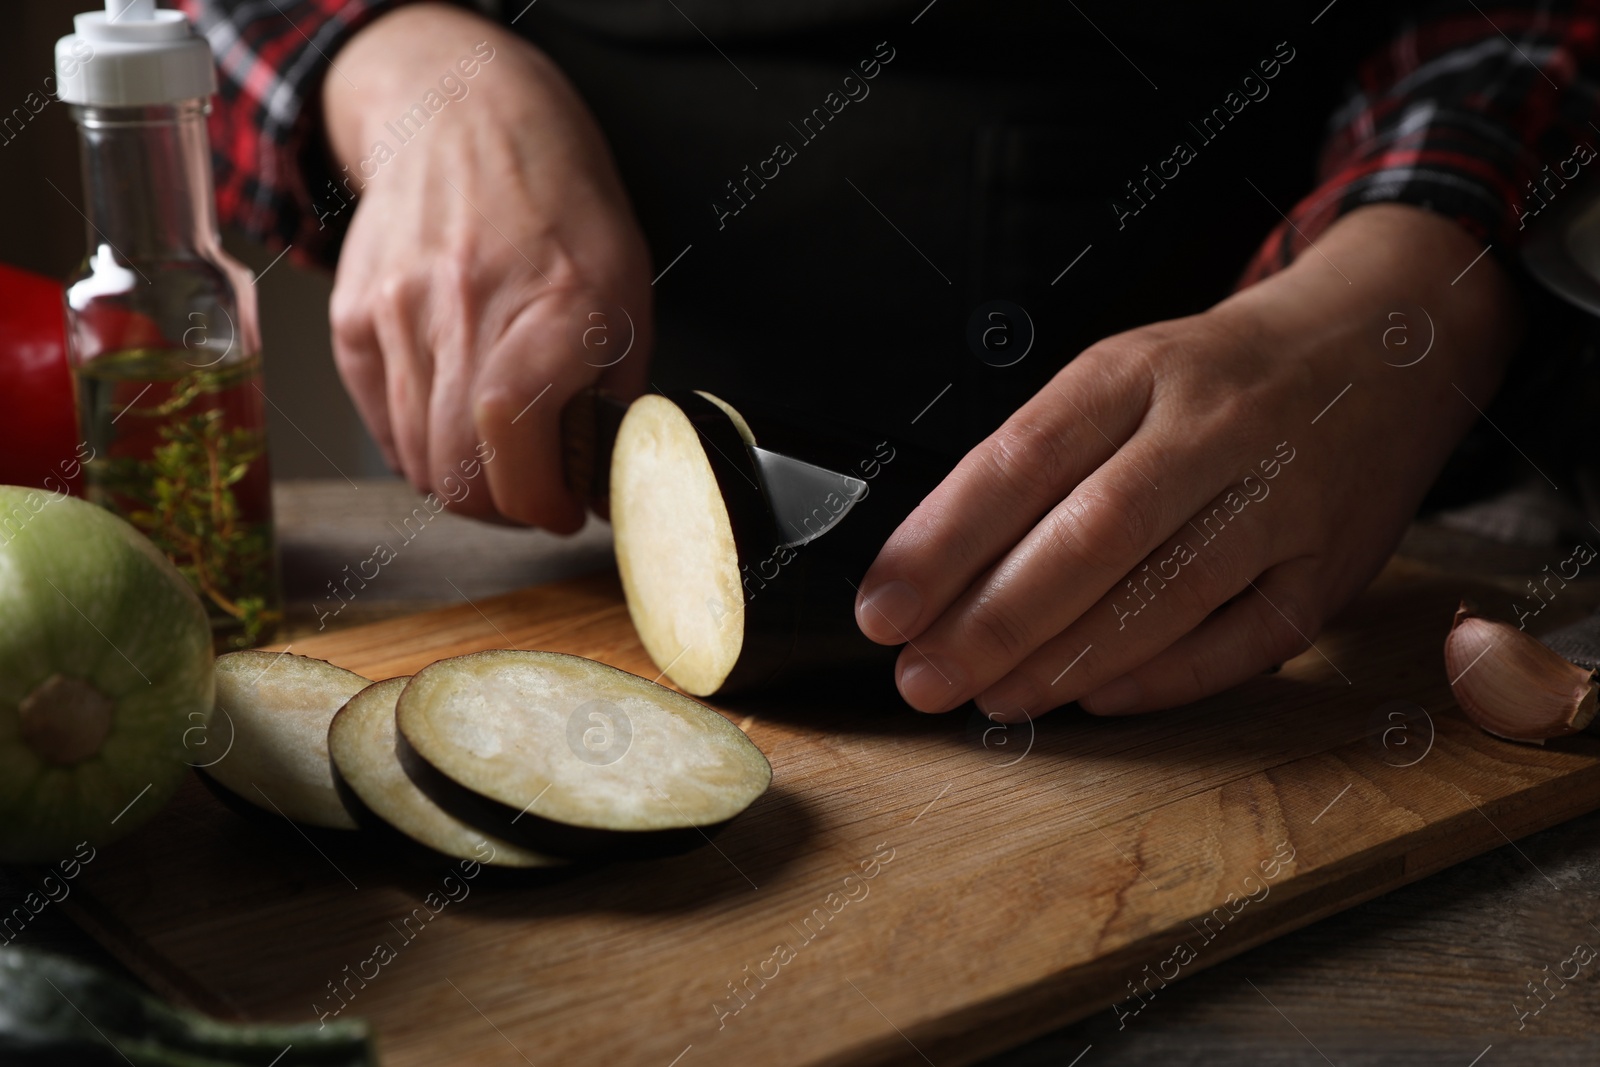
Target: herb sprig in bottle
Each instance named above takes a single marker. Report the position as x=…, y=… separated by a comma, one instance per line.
x=162, y=324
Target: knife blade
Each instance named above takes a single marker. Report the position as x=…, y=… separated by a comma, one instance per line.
x=805, y=500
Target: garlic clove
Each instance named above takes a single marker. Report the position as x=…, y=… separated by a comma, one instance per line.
x=1511, y=685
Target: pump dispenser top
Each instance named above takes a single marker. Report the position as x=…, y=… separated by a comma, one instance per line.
x=133, y=54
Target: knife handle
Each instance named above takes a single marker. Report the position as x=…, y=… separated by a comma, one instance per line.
x=589, y=426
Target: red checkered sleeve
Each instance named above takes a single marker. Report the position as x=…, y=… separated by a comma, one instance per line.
x=274, y=174
x=1461, y=113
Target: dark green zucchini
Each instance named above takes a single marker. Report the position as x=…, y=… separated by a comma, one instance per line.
x=56, y=1011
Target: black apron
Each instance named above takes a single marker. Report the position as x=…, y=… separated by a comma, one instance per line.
x=1099, y=166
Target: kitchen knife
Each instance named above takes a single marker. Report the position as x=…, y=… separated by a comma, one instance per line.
x=799, y=495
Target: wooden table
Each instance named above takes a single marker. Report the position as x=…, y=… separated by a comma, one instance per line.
x=1428, y=974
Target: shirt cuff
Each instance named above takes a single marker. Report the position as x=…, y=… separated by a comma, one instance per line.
x=1456, y=117
x=275, y=176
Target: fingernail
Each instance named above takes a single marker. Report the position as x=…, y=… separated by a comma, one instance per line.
x=886, y=613
x=930, y=683
x=1010, y=699
x=1113, y=698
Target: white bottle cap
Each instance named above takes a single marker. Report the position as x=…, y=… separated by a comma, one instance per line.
x=133, y=54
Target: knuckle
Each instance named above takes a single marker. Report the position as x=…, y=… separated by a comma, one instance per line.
x=937, y=535
x=1127, y=521
x=1287, y=630
x=994, y=626
x=496, y=403
x=348, y=318
x=1058, y=531
x=360, y=368
x=1104, y=526
x=1229, y=416
x=1222, y=556
x=457, y=270
x=1027, y=458
x=460, y=256
x=393, y=296
x=1194, y=599
x=349, y=360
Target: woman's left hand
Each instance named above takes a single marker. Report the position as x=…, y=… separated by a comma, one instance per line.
x=1184, y=505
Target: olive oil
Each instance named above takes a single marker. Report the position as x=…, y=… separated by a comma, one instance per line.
x=163, y=332
x=179, y=450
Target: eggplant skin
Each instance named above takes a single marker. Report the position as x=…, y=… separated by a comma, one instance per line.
x=799, y=601
x=394, y=842
x=371, y=822
x=541, y=834
x=56, y=1011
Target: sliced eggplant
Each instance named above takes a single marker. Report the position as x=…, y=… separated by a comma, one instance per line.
x=278, y=707
x=740, y=561
x=361, y=741
x=573, y=757
x=675, y=546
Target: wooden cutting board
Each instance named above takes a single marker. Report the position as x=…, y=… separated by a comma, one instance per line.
x=912, y=889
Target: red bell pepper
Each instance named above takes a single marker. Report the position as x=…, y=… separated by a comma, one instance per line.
x=38, y=414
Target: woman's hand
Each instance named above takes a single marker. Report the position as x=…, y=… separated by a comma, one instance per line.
x=482, y=248
x=1185, y=504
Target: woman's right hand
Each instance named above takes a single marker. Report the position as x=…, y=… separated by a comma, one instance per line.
x=493, y=266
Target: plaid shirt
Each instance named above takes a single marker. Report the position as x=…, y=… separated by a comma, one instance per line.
x=268, y=155
x=1461, y=113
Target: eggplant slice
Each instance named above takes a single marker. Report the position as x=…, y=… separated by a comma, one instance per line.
x=741, y=561
x=279, y=707
x=675, y=545
x=361, y=740
x=574, y=757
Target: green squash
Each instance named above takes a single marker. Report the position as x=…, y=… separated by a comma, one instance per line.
x=105, y=676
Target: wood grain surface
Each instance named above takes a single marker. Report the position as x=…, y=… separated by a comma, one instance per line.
x=1019, y=878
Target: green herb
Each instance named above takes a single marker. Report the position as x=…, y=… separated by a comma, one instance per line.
x=183, y=497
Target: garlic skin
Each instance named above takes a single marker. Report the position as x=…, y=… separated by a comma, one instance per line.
x=1513, y=686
